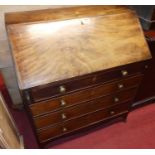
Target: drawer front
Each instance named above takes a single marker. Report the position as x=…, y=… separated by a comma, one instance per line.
x=84, y=108
x=48, y=91
x=78, y=123
x=84, y=95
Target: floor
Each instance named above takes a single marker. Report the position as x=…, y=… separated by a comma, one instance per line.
x=137, y=132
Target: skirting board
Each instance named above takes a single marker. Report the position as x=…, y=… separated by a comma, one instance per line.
x=143, y=102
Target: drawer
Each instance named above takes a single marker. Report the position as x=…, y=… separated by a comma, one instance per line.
x=84, y=108
x=81, y=122
x=60, y=88
x=84, y=95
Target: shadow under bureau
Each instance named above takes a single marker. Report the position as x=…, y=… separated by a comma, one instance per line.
x=76, y=66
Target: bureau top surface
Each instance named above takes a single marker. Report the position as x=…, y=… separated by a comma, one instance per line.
x=57, y=44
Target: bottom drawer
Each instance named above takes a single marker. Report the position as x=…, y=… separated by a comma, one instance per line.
x=84, y=121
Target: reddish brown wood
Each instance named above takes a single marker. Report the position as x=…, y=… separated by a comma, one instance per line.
x=78, y=123
x=83, y=108
x=54, y=50
x=61, y=14
x=96, y=51
x=84, y=95
x=53, y=90
x=147, y=88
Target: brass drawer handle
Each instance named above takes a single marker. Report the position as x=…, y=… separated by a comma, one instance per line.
x=124, y=72
x=116, y=99
x=112, y=112
x=64, y=129
x=62, y=89
x=63, y=103
x=120, y=86
x=63, y=116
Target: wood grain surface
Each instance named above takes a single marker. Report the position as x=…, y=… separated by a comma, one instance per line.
x=82, y=109
x=62, y=14
x=79, y=97
x=49, y=51
x=82, y=122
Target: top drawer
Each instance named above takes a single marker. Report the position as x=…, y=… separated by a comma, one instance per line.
x=73, y=99
x=57, y=89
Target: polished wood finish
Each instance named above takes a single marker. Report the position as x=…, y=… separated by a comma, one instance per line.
x=84, y=108
x=147, y=90
x=78, y=123
x=85, y=46
x=77, y=66
x=84, y=95
x=61, y=14
x=43, y=92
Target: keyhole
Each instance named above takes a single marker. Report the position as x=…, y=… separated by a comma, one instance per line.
x=82, y=23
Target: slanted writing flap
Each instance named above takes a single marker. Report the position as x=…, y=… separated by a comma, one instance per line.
x=54, y=50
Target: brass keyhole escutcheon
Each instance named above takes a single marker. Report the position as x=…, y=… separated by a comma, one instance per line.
x=63, y=116
x=63, y=103
x=112, y=112
x=120, y=86
x=124, y=72
x=64, y=129
x=116, y=99
x=62, y=89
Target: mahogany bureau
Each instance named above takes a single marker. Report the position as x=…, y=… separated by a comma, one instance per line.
x=76, y=66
